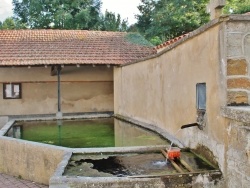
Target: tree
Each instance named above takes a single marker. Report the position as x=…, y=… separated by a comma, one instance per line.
x=160, y=20
x=236, y=7
x=111, y=22
x=59, y=14
x=145, y=18
x=8, y=24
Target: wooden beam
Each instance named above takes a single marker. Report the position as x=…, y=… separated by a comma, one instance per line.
x=187, y=166
x=53, y=70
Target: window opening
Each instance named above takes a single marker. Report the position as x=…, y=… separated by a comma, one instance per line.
x=201, y=96
x=12, y=90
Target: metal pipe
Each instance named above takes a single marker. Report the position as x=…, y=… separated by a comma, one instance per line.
x=189, y=125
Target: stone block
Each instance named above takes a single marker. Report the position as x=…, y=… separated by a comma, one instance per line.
x=237, y=98
x=245, y=183
x=234, y=51
x=238, y=83
x=236, y=67
x=239, y=26
x=247, y=46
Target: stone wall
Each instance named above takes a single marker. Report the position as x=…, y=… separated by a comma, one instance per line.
x=238, y=149
x=238, y=59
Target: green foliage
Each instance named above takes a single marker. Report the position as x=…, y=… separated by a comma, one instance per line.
x=145, y=18
x=236, y=7
x=10, y=23
x=109, y=22
x=165, y=19
x=136, y=38
x=59, y=14
x=66, y=14
x=155, y=40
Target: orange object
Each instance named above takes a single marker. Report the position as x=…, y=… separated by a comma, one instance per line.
x=173, y=153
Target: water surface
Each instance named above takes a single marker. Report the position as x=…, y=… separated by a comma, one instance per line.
x=107, y=132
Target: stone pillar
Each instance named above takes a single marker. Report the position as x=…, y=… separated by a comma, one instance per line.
x=214, y=8
x=238, y=63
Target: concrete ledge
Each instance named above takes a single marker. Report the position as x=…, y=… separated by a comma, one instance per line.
x=185, y=180
x=6, y=127
x=241, y=113
x=132, y=149
x=40, y=117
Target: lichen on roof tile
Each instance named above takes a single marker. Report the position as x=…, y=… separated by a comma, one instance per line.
x=136, y=38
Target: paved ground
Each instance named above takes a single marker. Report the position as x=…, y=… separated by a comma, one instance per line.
x=7, y=181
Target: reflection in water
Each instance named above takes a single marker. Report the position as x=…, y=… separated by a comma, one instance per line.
x=59, y=125
x=108, y=132
x=131, y=135
x=15, y=131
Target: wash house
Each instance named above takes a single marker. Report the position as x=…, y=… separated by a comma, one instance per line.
x=202, y=77
x=50, y=71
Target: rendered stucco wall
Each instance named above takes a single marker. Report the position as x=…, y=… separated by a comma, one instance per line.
x=84, y=89
x=162, y=91
x=31, y=161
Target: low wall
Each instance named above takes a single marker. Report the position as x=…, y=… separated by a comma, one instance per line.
x=28, y=160
x=196, y=179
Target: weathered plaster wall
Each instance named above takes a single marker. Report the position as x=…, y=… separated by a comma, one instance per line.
x=84, y=89
x=162, y=90
x=33, y=161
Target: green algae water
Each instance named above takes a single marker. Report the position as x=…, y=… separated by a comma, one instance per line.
x=108, y=132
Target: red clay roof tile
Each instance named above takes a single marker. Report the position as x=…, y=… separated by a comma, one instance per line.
x=169, y=42
x=41, y=47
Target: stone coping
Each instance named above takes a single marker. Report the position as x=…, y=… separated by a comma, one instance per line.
x=65, y=116
x=9, y=124
x=238, y=113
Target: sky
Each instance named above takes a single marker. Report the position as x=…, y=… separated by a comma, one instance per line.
x=126, y=8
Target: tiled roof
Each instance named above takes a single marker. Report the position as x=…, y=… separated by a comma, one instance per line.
x=41, y=47
x=169, y=42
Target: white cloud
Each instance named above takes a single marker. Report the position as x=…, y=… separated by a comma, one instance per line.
x=5, y=9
